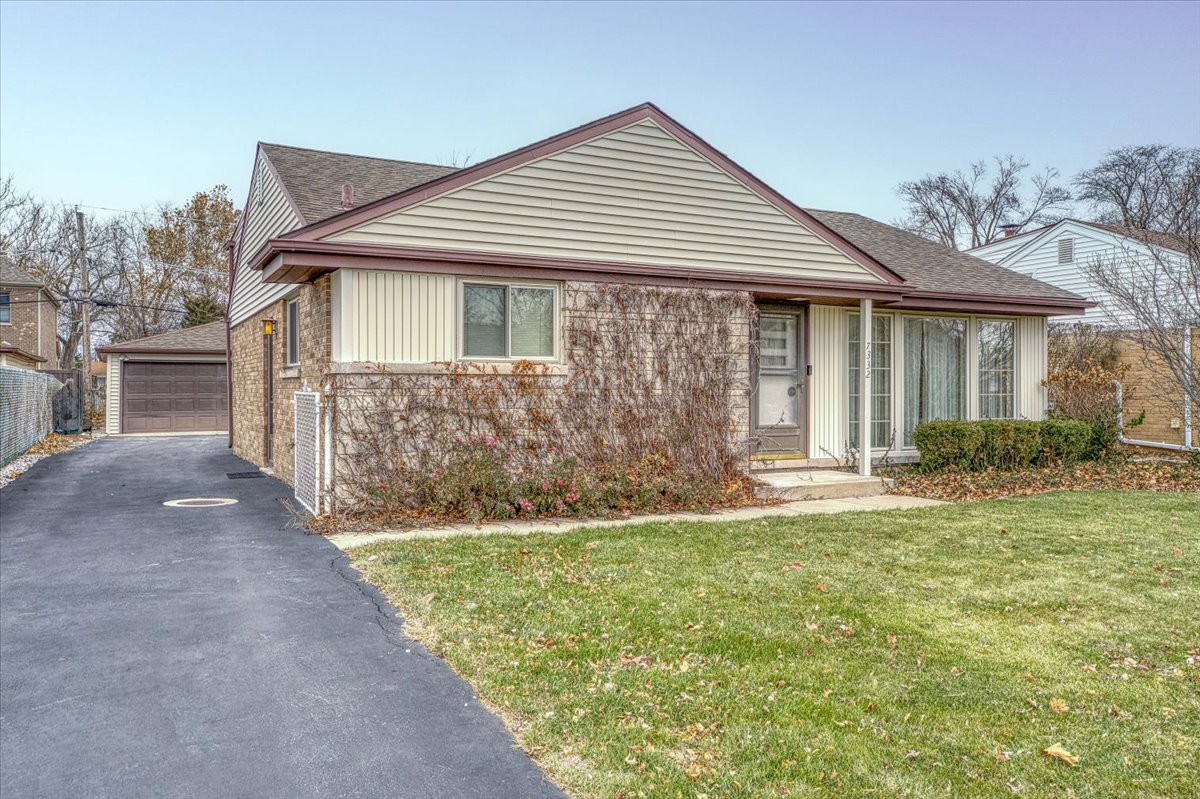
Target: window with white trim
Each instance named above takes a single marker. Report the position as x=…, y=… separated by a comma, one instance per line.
x=508, y=321
x=293, y=332
x=935, y=371
x=5, y=307
x=881, y=380
x=996, y=368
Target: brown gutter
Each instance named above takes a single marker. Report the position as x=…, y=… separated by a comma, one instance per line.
x=118, y=349
x=291, y=261
x=9, y=349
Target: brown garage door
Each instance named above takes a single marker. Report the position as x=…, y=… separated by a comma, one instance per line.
x=174, y=397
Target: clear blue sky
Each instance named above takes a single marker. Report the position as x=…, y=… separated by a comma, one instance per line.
x=125, y=105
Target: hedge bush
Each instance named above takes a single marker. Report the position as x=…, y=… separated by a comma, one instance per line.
x=1004, y=444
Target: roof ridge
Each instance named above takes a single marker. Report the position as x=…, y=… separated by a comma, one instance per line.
x=356, y=155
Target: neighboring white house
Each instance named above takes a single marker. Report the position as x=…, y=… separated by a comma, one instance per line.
x=1059, y=253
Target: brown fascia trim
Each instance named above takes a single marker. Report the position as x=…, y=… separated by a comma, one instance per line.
x=301, y=262
x=570, y=138
x=119, y=350
x=991, y=303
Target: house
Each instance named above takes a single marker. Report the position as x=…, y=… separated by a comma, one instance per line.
x=173, y=382
x=1060, y=254
x=344, y=264
x=28, y=320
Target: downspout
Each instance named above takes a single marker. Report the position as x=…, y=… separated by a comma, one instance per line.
x=1134, y=442
x=1187, y=402
x=229, y=343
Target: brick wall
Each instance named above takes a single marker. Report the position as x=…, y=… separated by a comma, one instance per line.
x=22, y=331
x=680, y=343
x=246, y=371
x=1149, y=387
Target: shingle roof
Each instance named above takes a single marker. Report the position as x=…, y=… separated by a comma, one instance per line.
x=314, y=178
x=928, y=266
x=14, y=275
x=201, y=339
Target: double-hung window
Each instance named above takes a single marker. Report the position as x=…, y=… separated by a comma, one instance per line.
x=881, y=380
x=5, y=308
x=293, y=332
x=509, y=321
x=996, y=368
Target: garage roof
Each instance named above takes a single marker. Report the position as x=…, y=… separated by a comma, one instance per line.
x=206, y=339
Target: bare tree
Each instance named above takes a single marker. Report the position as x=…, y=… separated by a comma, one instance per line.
x=1145, y=187
x=1154, y=280
x=969, y=208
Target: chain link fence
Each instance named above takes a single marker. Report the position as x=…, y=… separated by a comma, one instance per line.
x=26, y=412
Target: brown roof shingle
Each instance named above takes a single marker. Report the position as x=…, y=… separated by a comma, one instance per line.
x=928, y=266
x=201, y=339
x=13, y=275
x=314, y=178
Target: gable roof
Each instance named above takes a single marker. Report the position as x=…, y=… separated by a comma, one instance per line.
x=904, y=262
x=1152, y=238
x=314, y=178
x=206, y=339
x=929, y=266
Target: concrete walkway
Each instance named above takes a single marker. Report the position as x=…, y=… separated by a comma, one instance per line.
x=809, y=507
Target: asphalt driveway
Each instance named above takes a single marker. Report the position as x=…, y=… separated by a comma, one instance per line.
x=153, y=651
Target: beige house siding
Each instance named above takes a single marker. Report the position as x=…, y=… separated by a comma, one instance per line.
x=112, y=381
x=829, y=399
x=270, y=216
x=394, y=317
x=635, y=195
x=1031, y=367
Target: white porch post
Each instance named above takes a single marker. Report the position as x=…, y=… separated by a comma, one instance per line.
x=865, y=359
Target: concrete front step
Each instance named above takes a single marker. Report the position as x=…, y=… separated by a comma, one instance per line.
x=819, y=484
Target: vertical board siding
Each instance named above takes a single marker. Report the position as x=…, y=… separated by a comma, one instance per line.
x=633, y=195
x=828, y=389
x=112, y=396
x=394, y=317
x=271, y=217
x=1031, y=367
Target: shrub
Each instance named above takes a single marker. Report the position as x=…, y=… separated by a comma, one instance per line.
x=1065, y=440
x=948, y=444
x=1014, y=444
x=1007, y=444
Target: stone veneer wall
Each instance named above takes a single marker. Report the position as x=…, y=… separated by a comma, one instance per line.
x=247, y=361
x=669, y=349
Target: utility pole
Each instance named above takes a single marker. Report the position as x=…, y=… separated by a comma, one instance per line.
x=85, y=294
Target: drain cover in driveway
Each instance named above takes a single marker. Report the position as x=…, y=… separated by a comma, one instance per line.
x=243, y=475
x=199, y=502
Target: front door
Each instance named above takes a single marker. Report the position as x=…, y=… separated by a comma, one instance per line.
x=779, y=405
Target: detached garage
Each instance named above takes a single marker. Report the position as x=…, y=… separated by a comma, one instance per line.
x=175, y=382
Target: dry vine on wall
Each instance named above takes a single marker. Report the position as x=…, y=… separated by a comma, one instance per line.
x=650, y=412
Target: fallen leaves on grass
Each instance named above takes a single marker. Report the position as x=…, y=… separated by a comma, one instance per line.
x=1058, y=753
x=1059, y=705
x=992, y=483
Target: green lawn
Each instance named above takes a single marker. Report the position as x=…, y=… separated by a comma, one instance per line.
x=914, y=653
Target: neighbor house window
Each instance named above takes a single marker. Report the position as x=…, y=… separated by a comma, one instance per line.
x=996, y=369
x=508, y=320
x=293, y=332
x=935, y=373
x=5, y=308
x=881, y=380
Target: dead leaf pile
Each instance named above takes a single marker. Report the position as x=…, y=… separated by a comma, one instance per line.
x=993, y=484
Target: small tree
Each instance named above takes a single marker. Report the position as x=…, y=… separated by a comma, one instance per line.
x=963, y=208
